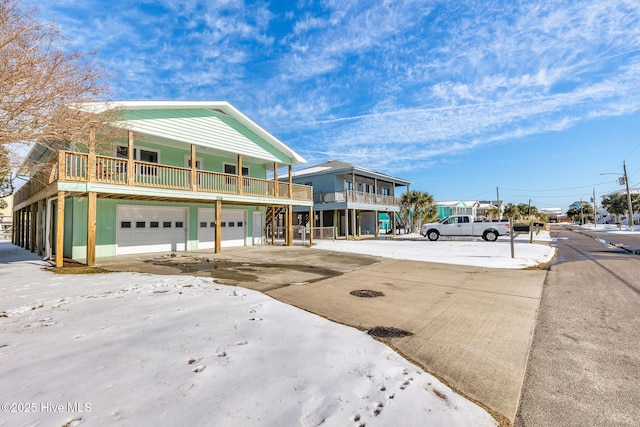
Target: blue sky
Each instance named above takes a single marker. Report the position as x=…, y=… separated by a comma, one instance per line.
x=536, y=98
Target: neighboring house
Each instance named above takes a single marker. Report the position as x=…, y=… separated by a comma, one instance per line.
x=553, y=214
x=350, y=199
x=6, y=220
x=457, y=207
x=186, y=176
x=476, y=208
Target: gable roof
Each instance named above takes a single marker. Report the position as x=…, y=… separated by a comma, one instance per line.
x=215, y=125
x=338, y=166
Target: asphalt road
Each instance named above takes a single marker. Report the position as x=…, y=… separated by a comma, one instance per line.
x=584, y=365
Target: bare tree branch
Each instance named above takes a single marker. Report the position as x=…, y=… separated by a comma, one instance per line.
x=40, y=82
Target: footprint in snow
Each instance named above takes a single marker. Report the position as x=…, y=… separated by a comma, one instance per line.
x=199, y=368
x=242, y=343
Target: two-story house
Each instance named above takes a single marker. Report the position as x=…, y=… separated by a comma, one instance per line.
x=185, y=176
x=350, y=199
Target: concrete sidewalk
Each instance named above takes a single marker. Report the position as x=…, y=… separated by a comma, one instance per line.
x=472, y=327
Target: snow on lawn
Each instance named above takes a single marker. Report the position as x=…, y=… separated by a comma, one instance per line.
x=461, y=250
x=134, y=350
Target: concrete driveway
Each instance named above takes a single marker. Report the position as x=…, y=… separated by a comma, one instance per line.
x=469, y=326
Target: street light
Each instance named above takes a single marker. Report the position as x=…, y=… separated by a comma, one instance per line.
x=625, y=180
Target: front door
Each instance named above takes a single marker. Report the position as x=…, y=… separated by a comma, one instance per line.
x=257, y=228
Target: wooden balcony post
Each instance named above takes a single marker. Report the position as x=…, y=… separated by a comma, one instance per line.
x=275, y=179
x=194, y=181
x=218, y=245
x=130, y=165
x=91, y=228
x=290, y=183
x=240, y=183
x=353, y=186
x=91, y=158
x=60, y=231
x=62, y=169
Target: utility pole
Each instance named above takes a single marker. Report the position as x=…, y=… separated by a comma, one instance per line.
x=594, y=209
x=630, y=207
x=498, y=204
x=581, y=212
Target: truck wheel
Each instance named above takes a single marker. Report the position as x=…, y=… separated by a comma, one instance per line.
x=490, y=235
x=433, y=235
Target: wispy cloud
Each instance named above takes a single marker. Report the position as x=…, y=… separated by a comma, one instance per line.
x=427, y=79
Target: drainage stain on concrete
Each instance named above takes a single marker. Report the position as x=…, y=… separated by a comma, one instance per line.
x=232, y=273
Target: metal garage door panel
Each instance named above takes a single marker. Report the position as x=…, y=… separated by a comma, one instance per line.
x=144, y=229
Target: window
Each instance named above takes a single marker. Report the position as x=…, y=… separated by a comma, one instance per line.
x=187, y=162
x=141, y=224
x=179, y=224
x=203, y=224
x=125, y=224
x=166, y=224
x=141, y=154
x=212, y=224
x=154, y=224
x=232, y=224
x=223, y=224
x=239, y=223
x=348, y=185
x=386, y=191
x=231, y=169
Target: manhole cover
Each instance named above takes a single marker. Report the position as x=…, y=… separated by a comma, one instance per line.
x=388, y=332
x=366, y=293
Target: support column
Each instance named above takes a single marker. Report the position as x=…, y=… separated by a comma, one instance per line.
x=393, y=223
x=273, y=224
x=346, y=223
x=289, y=224
x=91, y=228
x=32, y=228
x=311, y=224
x=356, y=231
x=377, y=223
x=60, y=231
x=23, y=228
x=40, y=221
x=218, y=246
x=13, y=227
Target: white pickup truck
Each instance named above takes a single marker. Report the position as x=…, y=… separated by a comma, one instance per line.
x=463, y=225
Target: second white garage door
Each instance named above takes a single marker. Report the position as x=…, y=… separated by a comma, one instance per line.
x=233, y=227
x=143, y=229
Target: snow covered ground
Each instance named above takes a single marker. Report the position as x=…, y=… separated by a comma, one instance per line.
x=133, y=349
x=459, y=250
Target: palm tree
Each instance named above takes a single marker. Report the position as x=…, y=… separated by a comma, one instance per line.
x=616, y=203
x=415, y=207
x=493, y=212
x=511, y=211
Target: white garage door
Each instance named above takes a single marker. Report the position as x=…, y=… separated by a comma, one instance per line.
x=206, y=228
x=234, y=227
x=142, y=229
